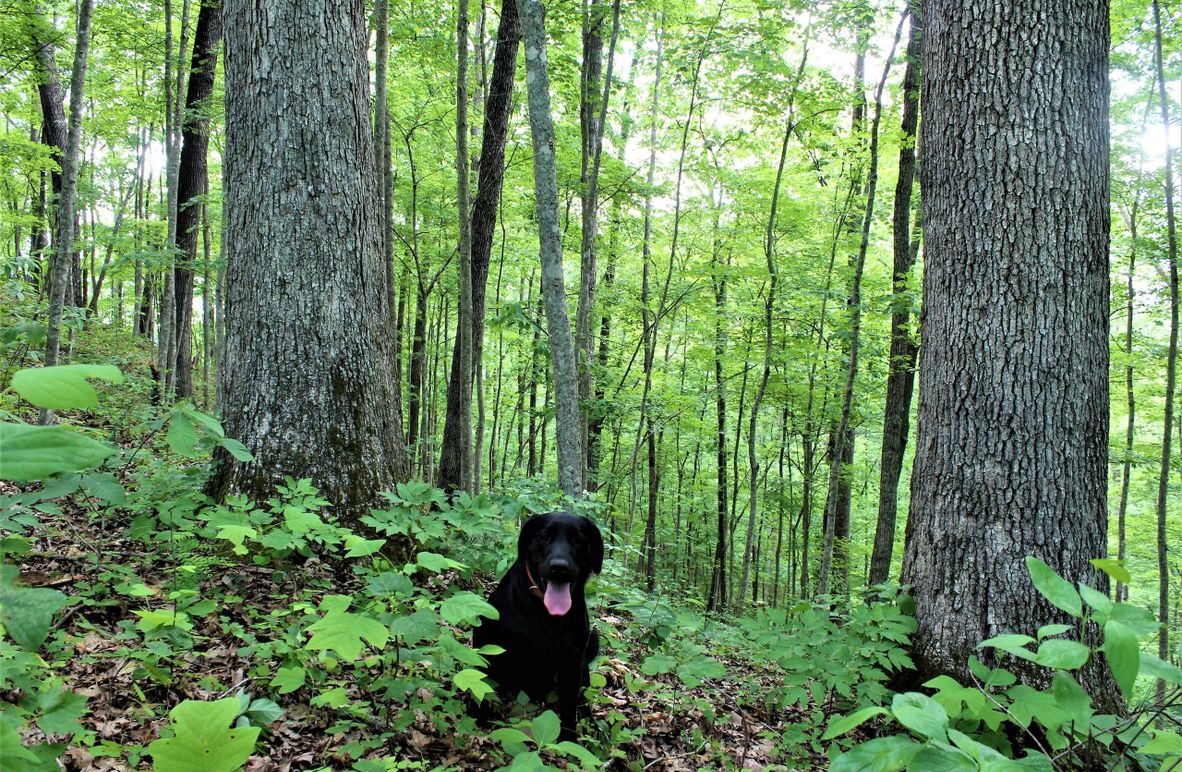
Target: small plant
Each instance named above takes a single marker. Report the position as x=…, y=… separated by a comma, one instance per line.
x=967, y=727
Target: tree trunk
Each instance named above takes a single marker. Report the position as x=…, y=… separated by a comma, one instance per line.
x=550, y=242
x=491, y=180
x=64, y=235
x=901, y=364
x=1122, y=589
x=461, y=370
x=307, y=382
x=191, y=183
x=1163, y=480
x=1012, y=444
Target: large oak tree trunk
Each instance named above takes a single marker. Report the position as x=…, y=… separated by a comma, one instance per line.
x=308, y=369
x=1012, y=443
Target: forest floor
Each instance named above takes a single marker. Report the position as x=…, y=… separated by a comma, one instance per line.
x=646, y=721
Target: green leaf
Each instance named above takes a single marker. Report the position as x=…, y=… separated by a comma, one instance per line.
x=512, y=740
x=236, y=449
x=1054, y=588
x=13, y=752
x=419, y=626
x=1156, y=668
x=1140, y=621
x=1011, y=643
x=1124, y=655
x=472, y=681
x=921, y=714
x=655, y=664
x=36, y=452
x=585, y=757
x=27, y=613
x=842, y=724
x=343, y=632
x=360, y=547
x=546, y=728
x=883, y=754
x=263, y=711
x=333, y=698
x=60, y=711
x=1113, y=568
x=288, y=679
x=698, y=669
x=151, y=620
x=236, y=535
x=1096, y=599
x=182, y=435
x=528, y=761
x=1164, y=743
x=204, y=742
x=1046, y=631
x=1071, y=697
x=435, y=562
x=1062, y=654
x=467, y=608
x=63, y=387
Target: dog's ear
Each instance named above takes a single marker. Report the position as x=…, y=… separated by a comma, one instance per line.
x=594, y=543
x=529, y=531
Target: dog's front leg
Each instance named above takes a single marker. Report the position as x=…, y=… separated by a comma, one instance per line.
x=570, y=694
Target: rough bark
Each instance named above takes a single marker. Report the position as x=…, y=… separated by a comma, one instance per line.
x=491, y=177
x=562, y=350
x=191, y=183
x=307, y=380
x=461, y=371
x=1012, y=443
x=901, y=365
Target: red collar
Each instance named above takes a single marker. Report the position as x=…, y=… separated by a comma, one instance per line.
x=533, y=585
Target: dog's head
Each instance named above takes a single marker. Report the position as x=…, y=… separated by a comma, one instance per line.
x=560, y=550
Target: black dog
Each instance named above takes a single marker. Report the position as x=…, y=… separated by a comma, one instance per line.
x=543, y=628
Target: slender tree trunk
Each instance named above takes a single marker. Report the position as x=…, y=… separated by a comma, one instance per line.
x=1012, y=443
x=484, y=218
x=64, y=236
x=1122, y=589
x=550, y=239
x=191, y=178
x=1163, y=480
x=901, y=365
x=855, y=330
x=461, y=371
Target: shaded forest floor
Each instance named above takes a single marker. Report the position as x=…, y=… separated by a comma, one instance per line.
x=649, y=714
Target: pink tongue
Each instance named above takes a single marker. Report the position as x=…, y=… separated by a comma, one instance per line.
x=557, y=598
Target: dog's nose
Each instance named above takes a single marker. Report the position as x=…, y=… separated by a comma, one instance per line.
x=559, y=566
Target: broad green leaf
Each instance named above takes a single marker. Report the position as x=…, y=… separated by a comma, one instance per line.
x=263, y=711
x=1071, y=697
x=13, y=752
x=1046, y=631
x=182, y=435
x=472, y=681
x=151, y=620
x=288, y=679
x=467, y=608
x=237, y=535
x=343, y=632
x=36, y=452
x=1113, y=568
x=528, y=761
x=978, y=751
x=883, y=754
x=1011, y=643
x=236, y=449
x=943, y=758
x=105, y=487
x=1054, y=588
x=585, y=757
x=63, y=387
x=1099, y=602
x=842, y=724
x=512, y=740
x=435, y=562
x=1062, y=654
x=26, y=612
x=204, y=742
x=1140, y=621
x=921, y=714
x=545, y=728
x=1124, y=655
x=336, y=697
x=419, y=626
x=60, y=711
x=698, y=669
x=655, y=664
x=360, y=547
x=1156, y=668
x=389, y=583
x=1164, y=743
